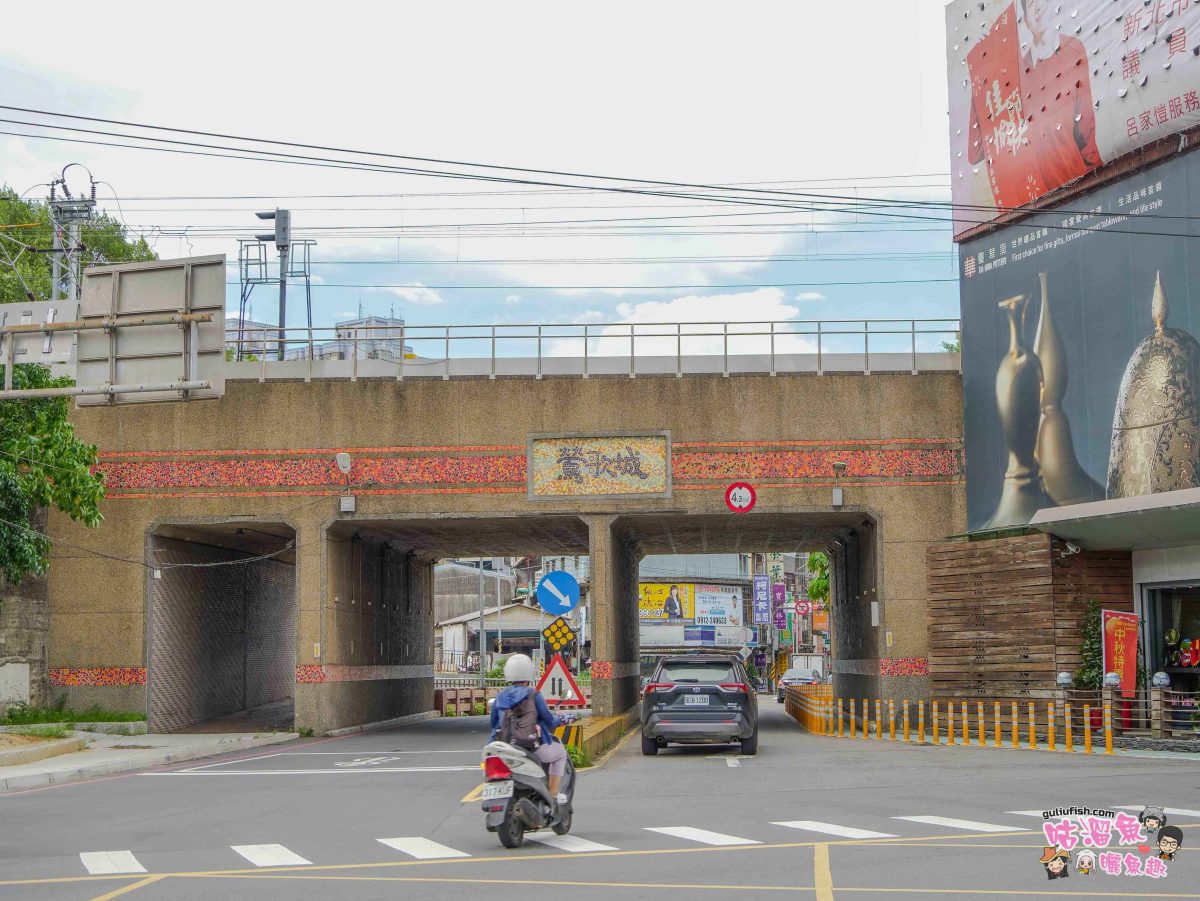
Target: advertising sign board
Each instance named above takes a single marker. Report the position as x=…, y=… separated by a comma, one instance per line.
x=762, y=600
x=1041, y=93
x=666, y=602
x=718, y=605
x=1120, y=631
x=1079, y=358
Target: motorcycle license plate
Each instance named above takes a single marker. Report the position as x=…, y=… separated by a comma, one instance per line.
x=695, y=700
x=494, y=790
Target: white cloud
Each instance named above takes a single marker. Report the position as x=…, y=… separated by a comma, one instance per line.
x=590, y=316
x=810, y=295
x=414, y=293
x=512, y=300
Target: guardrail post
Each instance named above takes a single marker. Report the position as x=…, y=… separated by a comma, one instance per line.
x=678, y=350
x=921, y=722
x=725, y=358
x=853, y=715
x=866, y=348
x=446, y=375
x=1032, y=725
x=905, y=717
x=936, y=737
x=982, y=723
x=308, y=371
x=400, y=368
x=1051, y=726
x=950, y=734
x=839, y=716
x=492, y=375
x=996, y=722
x=1067, y=724
x=539, y=352
x=772, y=348
x=1157, y=720
x=820, y=364
x=1108, y=730
x=1016, y=726
x=878, y=719
x=632, y=351
x=354, y=355
x=913, y=324
x=891, y=720
x=966, y=725
x=1087, y=728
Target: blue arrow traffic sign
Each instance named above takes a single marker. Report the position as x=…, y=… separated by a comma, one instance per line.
x=558, y=592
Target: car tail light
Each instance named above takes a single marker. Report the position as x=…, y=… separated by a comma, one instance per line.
x=659, y=686
x=735, y=686
x=495, y=768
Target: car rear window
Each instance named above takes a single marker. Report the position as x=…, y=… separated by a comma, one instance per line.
x=702, y=671
x=797, y=674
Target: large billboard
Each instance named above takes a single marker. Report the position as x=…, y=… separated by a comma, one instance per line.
x=1081, y=369
x=666, y=603
x=1042, y=92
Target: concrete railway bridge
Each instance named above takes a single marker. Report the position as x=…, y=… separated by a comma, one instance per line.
x=335, y=609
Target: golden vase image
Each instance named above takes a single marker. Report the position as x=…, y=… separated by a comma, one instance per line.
x=1156, y=424
x=1018, y=403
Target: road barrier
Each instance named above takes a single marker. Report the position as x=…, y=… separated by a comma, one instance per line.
x=815, y=709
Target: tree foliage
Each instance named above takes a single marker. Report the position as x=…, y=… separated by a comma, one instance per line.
x=818, y=568
x=1090, y=675
x=42, y=463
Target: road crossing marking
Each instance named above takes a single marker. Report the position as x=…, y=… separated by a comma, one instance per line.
x=422, y=848
x=107, y=863
x=318, y=772
x=1170, y=811
x=833, y=829
x=270, y=856
x=572, y=843
x=969, y=825
x=701, y=835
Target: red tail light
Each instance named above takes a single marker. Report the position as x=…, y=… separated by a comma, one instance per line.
x=735, y=686
x=659, y=686
x=495, y=768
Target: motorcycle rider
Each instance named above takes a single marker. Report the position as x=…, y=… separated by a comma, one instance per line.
x=520, y=671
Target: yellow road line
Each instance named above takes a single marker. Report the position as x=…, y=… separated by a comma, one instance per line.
x=822, y=875
x=133, y=887
x=542, y=882
x=473, y=794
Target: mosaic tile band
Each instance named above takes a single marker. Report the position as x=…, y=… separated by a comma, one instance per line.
x=95, y=676
x=904, y=666
x=903, y=461
x=317, y=674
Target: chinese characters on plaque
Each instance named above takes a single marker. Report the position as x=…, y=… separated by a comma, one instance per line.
x=582, y=465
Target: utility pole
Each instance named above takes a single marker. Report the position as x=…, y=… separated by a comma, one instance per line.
x=72, y=212
x=482, y=630
x=282, y=236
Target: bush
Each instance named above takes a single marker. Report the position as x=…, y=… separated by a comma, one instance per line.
x=451, y=710
x=580, y=758
x=305, y=732
x=478, y=708
x=45, y=731
x=22, y=715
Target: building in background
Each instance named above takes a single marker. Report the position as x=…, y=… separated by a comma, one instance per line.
x=367, y=337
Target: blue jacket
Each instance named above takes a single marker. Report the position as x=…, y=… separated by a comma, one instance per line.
x=512, y=695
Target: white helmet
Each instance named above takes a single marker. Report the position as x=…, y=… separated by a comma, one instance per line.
x=519, y=668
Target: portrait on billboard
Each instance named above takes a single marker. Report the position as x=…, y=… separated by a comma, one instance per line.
x=1043, y=92
x=1081, y=369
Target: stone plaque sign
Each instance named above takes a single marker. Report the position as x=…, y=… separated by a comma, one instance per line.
x=612, y=465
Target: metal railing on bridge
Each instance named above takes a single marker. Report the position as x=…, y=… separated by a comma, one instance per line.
x=596, y=349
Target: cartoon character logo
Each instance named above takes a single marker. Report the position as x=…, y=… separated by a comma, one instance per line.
x=1055, y=861
x=1152, y=819
x=1170, y=840
x=1085, y=862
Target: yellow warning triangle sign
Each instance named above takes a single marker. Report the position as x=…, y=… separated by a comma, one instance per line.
x=558, y=686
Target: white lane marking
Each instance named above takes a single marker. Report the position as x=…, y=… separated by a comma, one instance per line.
x=365, y=753
x=701, y=835
x=969, y=825
x=833, y=829
x=422, y=848
x=193, y=769
x=270, y=855
x=1169, y=811
x=376, y=769
x=106, y=863
x=572, y=843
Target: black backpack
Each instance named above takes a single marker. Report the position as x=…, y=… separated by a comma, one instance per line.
x=519, y=725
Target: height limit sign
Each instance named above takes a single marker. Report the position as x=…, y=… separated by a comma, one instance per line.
x=740, y=497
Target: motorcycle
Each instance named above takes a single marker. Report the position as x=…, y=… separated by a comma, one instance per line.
x=516, y=795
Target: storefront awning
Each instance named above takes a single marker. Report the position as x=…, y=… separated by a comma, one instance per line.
x=1167, y=519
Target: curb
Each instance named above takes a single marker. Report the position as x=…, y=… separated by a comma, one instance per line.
x=38, y=780
x=34, y=753
x=383, y=724
x=129, y=727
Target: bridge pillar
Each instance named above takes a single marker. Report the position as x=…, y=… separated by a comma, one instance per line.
x=614, y=615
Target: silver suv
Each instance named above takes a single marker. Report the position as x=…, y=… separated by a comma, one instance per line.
x=699, y=699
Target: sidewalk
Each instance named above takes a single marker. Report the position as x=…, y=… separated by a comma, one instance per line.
x=109, y=754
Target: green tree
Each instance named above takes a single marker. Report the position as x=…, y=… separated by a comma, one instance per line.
x=42, y=463
x=1090, y=675
x=818, y=585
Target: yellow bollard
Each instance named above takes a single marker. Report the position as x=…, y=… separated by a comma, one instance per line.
x=853, y=715
x=950, y=735
x=966, y=725
x=937, y=739
x=996, y=723
x=1087, y=728
x=841, y=722
x=904, y=707
x=1067, y=726
x=1032, y=726
x=921, y=722
x=878, y=719
x=1050, y=725
x=1108, y=733
x=1016, y=726
x=982, y=724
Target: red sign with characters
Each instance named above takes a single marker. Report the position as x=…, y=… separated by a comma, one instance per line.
x=1120, y=632
x=740, y=497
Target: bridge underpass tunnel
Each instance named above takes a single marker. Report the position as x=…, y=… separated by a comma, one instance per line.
x=367, y=629
x=222, y=627
x=619, y=543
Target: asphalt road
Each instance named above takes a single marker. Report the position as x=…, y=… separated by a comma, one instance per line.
x=868, y=819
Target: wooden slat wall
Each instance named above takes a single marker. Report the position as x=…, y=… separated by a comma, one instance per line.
x=1005, y=614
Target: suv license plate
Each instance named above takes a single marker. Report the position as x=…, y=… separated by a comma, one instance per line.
x=695, y=700
x=494, y=790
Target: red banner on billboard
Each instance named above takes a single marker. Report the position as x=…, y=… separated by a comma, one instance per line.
x=1120, y=632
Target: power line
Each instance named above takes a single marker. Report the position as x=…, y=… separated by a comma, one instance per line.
x=916, y=281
